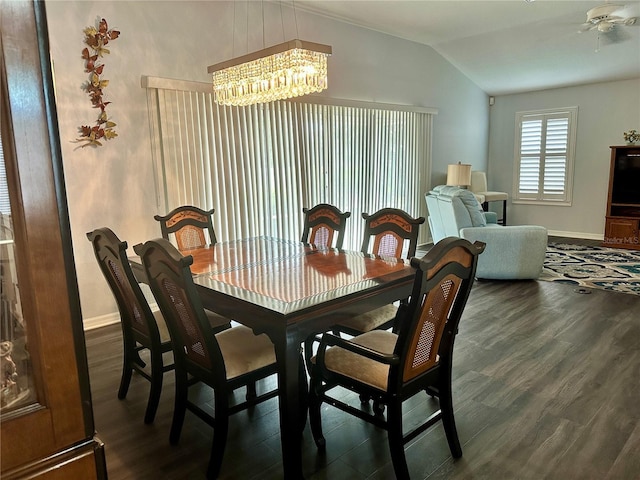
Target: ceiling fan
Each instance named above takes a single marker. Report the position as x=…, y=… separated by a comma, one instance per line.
x=607, y=19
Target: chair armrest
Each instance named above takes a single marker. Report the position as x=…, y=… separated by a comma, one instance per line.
x=329, y=339
x=512, y=252
x=507, y=235
x=492, y=217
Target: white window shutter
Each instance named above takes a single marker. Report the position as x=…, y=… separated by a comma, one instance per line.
x=544, y=155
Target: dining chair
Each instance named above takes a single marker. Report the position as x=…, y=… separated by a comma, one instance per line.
x=393, y=367
x=226, y=361
x=188, y=224
x=324, y=226
x=389, y=232
x=142, y=328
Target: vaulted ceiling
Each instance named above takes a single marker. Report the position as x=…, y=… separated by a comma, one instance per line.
x=506, y=46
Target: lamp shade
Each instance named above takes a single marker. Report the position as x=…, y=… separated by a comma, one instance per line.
x=459, y=174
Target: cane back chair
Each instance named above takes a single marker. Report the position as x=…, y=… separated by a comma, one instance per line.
x=142, y=329
x=393, y=367
x=324, y=226
x=188, y=224
x=225, y=361
x=389, y=232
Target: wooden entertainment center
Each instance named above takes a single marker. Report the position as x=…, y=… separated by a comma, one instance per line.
x=622, y=226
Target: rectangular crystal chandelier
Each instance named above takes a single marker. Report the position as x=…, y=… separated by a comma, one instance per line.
x=283, y=71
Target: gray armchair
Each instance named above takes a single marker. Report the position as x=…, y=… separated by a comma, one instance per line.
x=512, y=252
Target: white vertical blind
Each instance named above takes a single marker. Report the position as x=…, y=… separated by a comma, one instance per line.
x=5, y=203
x=258, y=166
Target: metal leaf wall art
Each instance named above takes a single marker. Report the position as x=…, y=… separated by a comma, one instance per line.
x=96, y=40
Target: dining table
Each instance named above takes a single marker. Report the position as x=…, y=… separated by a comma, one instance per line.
x=290, y=290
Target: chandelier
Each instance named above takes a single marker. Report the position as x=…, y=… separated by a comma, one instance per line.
x=283, y=71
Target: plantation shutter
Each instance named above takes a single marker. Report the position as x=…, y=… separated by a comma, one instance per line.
x=545, y=155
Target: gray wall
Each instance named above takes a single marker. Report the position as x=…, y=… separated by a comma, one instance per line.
x=113, y=185
x=605, y=111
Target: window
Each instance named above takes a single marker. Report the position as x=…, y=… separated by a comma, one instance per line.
x=258, y=166
x=544, y=152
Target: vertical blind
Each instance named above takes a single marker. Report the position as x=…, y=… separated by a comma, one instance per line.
x=5, y=205
x=258, y=166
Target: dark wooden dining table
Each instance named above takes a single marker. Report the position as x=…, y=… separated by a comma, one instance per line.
x=290, y=290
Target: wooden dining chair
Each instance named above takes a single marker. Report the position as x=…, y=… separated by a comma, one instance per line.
x=190, y=226
x=226, y=361
x=142, y=328
x=324, y=226
x=389, y=232
x=393, y=367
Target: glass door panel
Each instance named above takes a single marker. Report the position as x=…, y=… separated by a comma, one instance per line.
x=16, y=375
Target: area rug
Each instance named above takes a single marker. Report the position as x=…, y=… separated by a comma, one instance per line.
x=593, y=267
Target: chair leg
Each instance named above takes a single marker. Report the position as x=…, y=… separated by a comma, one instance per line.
x=396, y=443
x=220, y=432
x=251, y=391
x=315, y=420
x=180, y=405
x=127, y=371
x=308, y=352
x=504, y=212
x=156, y=386
x=448, y=420
x=303, y=392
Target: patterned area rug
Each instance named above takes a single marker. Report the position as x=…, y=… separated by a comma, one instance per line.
x=593, y=267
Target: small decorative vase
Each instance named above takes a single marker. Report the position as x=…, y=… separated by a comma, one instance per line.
x=631, y=137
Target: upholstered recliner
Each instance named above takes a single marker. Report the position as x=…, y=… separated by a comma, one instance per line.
x=512, y=252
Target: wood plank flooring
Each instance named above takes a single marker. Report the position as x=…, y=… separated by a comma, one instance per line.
x=546, y=386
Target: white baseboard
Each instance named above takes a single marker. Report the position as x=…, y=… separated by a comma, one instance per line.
x=586, y=236
x=108, y=319
x=100, y=321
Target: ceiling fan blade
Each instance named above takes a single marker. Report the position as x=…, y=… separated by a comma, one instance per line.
x=585, y=27
x=615, y=35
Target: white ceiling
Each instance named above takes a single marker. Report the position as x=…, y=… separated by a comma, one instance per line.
x=505, y=46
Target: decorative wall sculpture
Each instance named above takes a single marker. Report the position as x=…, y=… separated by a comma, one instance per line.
x=97, y=39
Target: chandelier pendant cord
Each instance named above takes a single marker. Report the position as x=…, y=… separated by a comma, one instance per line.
x=295, y=17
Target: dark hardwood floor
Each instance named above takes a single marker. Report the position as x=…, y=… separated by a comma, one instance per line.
x=546, y=386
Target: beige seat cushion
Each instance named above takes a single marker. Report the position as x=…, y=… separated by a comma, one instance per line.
x=361, y=368
x=495, y=196
x=243, y=351
x=371, y=320
x=217, y=321
x=162, y=327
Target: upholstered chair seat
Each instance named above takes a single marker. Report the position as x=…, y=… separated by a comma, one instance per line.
x=244, y=352
x=373, y=319
x=360, y=368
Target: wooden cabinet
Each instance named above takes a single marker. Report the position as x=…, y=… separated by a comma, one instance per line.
x=622, y=224
x=46, y=418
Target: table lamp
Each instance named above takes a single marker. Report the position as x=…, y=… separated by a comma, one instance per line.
x=459, y=174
